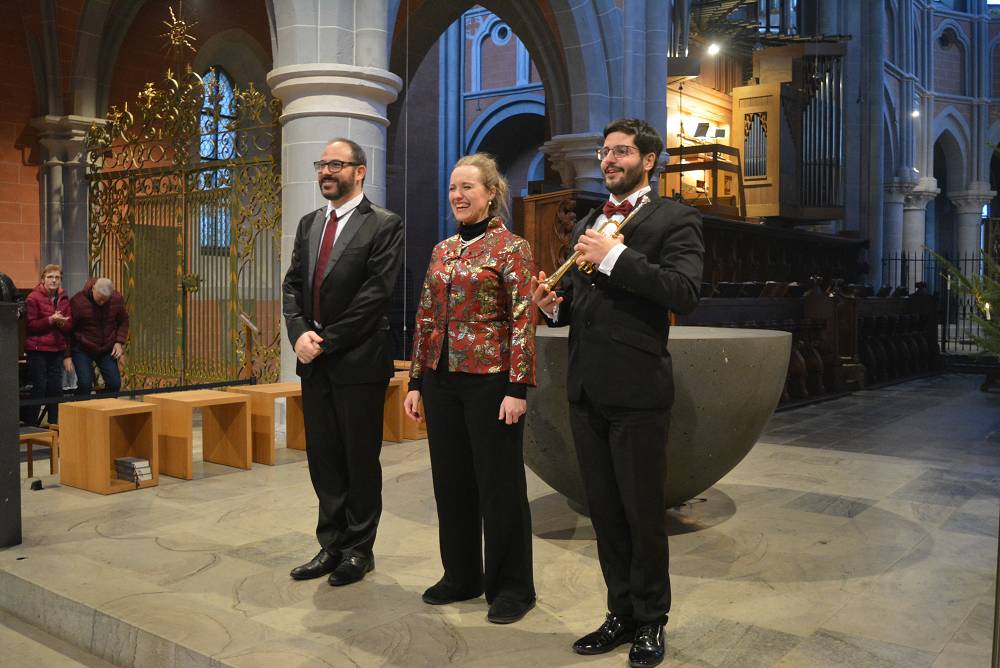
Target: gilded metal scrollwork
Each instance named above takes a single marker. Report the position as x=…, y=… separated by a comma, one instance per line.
x=190, y=237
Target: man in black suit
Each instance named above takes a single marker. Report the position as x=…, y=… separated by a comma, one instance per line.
x=620, y=382
x=336, y=297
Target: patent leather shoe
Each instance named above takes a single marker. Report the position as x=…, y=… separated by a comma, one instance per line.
x=321, y=564
x=648, y=647
x=616, y=630
x=352, y=568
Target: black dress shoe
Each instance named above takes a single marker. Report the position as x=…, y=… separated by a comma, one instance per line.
x=443, y=594
x=616, y=630
x=507, y=610
x=648, y=647
x=351, y=569
x=321, y=564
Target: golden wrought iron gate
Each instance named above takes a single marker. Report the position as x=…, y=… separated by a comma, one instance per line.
x=185, y=218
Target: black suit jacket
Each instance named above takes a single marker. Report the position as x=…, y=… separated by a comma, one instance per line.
x=355, y=295
x=620, y=323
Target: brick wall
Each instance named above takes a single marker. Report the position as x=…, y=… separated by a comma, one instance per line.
x=142, y=58
x=949, y=68
x=995, y=65
x=19, y=202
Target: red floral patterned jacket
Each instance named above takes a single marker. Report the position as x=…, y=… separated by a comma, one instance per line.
x=482, y=298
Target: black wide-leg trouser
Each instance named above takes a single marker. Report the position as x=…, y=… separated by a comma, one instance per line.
x=477, y=465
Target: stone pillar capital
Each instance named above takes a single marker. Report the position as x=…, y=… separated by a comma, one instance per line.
x=897, y=190
x=324, y=89
x=63, y=136
x=971, y=201
x=574, y=157
x=918, y=198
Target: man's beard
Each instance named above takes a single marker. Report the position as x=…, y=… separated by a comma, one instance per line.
x=337, y=192
x=630, y=178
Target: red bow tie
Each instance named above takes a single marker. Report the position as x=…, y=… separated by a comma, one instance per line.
x=625, y=208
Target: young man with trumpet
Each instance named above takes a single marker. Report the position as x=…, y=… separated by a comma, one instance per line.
x=617, y=299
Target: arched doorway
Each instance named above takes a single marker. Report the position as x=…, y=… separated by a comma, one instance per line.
x=479, y=77
x=950, y=171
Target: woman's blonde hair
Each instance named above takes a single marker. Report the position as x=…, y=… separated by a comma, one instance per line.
x=492, y=178
x=50, y=268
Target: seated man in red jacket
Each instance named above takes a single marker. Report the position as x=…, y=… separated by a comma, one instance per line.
x=100, y=328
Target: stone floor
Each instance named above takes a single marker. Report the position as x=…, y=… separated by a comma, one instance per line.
x=858, y=532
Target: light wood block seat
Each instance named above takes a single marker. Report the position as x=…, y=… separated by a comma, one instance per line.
x=262, y=398
x=32, y=436
x=226, y=429
x=412, y=431
x=94, y=433
x=392, y=416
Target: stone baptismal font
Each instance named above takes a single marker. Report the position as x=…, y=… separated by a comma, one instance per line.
x=727, y=384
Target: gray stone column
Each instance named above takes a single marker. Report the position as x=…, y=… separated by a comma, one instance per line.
x=915, y=218
x=330, y=73
x=64, y=197
x=574, y=156
x=893, y=201
x=914, y=226
x=969, y=204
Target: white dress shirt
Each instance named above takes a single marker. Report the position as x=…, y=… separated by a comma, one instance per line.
x=343, y=214
x=608, y=263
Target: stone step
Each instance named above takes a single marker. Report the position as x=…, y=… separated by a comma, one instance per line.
x=90, y=630
x=26, y=646
x=127, y=622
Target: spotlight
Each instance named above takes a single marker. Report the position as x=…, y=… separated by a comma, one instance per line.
x=713, y=49
x=915, y=113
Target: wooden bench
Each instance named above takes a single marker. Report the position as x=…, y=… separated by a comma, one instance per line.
x=226, y=432
x=95, y=433
x=262, y=398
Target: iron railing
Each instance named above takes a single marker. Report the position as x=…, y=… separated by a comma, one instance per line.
x=924, y=272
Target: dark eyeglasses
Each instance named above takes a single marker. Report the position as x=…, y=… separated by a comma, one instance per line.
x=333, y=165
x=620, y=151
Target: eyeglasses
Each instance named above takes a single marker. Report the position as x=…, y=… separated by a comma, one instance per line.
x=620, y=151
x=333, y=165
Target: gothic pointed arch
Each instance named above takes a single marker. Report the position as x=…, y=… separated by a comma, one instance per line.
x=500, y=111
x=952, y=53
x=103, y=26
x=952, y=131
x=549, y=31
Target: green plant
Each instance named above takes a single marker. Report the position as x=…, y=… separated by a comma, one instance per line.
x=984, y=288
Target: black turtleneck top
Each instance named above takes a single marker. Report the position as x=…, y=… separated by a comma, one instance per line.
x=472, y=231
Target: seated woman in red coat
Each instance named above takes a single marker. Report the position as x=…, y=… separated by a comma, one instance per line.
x=473, y=360
x=48, y=322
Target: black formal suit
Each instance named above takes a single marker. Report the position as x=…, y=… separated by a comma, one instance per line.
x=343, y=388
x=620, y=387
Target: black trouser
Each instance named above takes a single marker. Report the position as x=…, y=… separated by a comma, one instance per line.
x=343, y=426
x=623, y=462
x=45, y=372
x=477, y=464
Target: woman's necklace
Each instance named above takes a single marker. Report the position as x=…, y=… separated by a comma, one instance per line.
x=466, y=243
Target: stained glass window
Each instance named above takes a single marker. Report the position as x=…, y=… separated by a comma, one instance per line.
x=217, y=144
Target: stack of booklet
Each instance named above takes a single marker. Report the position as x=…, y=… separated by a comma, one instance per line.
x=133, y=469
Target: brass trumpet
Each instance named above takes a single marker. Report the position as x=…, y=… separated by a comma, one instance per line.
x=610, y=228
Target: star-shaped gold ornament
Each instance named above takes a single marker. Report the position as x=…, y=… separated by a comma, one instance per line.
x=178, y=36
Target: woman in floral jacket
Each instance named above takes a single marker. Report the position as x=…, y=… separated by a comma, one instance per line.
x=473, y=360
x=46, y=345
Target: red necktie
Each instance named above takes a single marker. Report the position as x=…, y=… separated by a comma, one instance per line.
x=625, y=208
x=325, y=248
